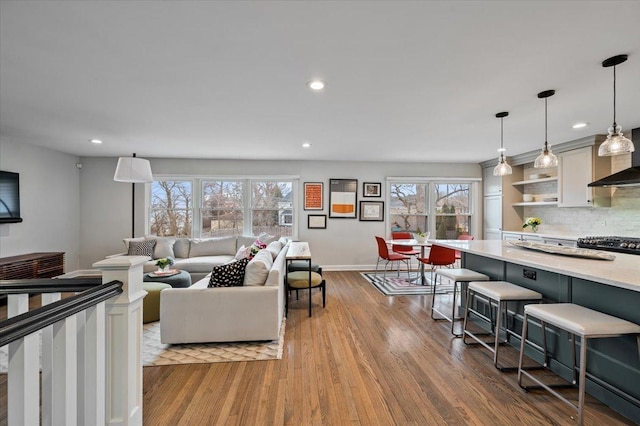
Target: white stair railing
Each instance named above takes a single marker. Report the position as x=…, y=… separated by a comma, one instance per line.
x=91, y=368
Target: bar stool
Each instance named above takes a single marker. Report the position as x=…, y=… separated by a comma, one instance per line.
x=500, y=292
x=577, y=320
x=458, y=275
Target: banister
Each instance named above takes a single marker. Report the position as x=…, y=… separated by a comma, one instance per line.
x=22, y=325
x=48, y=285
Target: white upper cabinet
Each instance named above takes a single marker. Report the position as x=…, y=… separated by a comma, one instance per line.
x=576, y=169
x=492, y=185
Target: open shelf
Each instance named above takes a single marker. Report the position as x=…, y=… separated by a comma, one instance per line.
x=536, y=203
x=526, y=182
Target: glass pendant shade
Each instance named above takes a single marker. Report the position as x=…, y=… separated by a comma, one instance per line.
x=502, y=169
x=615, y=144
x=546, y=158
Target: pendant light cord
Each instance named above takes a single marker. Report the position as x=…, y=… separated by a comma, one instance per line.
x=501, y=138
x=614, y=98
x=545, y=125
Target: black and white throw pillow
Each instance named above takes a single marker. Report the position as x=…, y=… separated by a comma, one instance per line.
x=141, y=248
x=229, y=275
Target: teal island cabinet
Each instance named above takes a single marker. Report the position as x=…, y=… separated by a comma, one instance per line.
x=609, y=286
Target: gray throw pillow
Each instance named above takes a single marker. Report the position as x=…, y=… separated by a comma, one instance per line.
x=141, y=248
x=229, y=275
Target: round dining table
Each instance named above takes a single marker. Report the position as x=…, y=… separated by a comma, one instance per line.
x=415, y=243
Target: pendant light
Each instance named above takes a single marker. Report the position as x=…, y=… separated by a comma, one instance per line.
x=502, y=168
x=616, y=143
x=546, y=157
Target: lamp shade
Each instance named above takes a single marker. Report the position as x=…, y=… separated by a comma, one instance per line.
x=133, y=169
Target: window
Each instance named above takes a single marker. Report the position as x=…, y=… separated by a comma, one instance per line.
x=408, y=207
x=453, y=214
x=271, y=207
x=171, y=209
x=222, y=207
x=441, y=208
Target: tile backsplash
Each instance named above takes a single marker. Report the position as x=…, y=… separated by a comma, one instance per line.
x=622, y=218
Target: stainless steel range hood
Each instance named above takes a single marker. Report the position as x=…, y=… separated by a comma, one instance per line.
x=627, y=177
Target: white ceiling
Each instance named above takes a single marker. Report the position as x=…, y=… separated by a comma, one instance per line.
x=407, y=81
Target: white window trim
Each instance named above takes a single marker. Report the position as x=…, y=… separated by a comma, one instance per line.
x=196, y=180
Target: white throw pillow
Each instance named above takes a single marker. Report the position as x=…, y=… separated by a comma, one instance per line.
x=274, y=248
x=258, y=269
x=164, y=247
x=242, y=253
x=266, y=238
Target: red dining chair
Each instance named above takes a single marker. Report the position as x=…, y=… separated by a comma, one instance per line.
x=406, y=250
x=439, y=256
x=462, y=237
x=383, y=253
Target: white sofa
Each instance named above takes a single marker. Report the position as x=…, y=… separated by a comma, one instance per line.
x=225, y=314
x=196, y=256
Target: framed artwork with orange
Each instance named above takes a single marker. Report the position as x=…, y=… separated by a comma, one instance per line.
x=342, y=198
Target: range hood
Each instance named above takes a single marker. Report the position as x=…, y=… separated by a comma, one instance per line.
x=627, y=177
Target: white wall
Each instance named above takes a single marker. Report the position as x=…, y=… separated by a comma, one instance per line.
x=49, y=202
x=345, y=244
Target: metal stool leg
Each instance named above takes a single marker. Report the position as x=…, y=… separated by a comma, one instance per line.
x=583, y=378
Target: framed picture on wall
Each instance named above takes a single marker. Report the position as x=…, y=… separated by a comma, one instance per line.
x=313, y=196
x=342, y=198
x=371, y=189
x=317, y=221
x=372, y=211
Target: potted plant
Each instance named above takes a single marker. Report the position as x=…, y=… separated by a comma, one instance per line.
x=533, y=222
x=164, y=263
x=421, y=237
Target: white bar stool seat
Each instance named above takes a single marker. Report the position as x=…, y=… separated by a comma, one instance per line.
x=457, y=275
x=500, y=293
x=577, y=320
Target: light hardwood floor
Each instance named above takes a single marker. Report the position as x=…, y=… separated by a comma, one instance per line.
x=365, y=359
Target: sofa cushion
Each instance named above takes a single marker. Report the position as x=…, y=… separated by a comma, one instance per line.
x=229, y=275
x=243, y=252
x=212, y=246
x=126, y=242
x=164, y=247
x=141, y=248
x=274, y=248
x=181, y=247
x=244, y=240
x=201, y=263
x=267, y=238
x=258, y=269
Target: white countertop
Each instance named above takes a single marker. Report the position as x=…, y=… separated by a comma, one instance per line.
x=623, y=272
x=544, y=235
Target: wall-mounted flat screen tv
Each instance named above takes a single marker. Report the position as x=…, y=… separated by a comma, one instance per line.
x=9, y=197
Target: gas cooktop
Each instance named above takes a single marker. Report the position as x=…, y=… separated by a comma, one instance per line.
x=618, y=244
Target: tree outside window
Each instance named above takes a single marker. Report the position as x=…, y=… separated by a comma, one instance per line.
x=171, y=208
x=222, y=210
x=272, y=208
x=452, y=210
x=408, y=208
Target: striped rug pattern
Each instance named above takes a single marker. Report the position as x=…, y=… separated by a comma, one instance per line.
x=391, y=285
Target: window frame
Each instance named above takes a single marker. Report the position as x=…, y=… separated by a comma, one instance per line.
x=197, y=196
x=431, y=182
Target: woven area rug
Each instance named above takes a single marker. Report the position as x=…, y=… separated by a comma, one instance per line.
x=391, y=285
x=155, y=353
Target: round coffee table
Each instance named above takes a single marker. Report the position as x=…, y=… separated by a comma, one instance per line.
x=180, y=280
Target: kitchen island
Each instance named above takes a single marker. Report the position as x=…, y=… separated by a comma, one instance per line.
x=612, y=287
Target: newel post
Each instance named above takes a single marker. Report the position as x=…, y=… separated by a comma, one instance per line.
x=123, y=385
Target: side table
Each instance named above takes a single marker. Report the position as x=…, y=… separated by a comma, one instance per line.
x=180, y=280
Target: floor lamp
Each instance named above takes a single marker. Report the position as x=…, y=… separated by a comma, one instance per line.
x=134, y=170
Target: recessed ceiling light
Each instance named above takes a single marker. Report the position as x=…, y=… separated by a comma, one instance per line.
x=580, y=125
x=306, y=145
x=316, y=84
x=96, y=141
